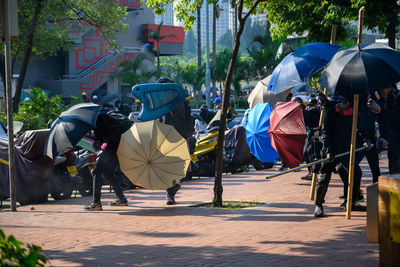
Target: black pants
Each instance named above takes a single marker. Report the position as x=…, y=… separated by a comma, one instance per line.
x=342, y=166
x=106, y=164
x=373, y=162
x=394, y=153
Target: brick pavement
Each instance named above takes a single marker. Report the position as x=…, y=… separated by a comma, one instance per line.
x=282, y=232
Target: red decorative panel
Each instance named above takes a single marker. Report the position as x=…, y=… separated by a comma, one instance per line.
x=178, y=32
x=100, y=76
x=128, y=3
x=91, y=51
x=89, y=85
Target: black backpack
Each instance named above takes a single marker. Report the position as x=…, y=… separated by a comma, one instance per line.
x=120, y=121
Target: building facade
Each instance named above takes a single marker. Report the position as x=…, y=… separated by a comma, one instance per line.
x=88, y=65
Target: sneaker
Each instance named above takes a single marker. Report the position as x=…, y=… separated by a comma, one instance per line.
x=307, y=177
x=170, y=200
x=93, y=206
x=319, y=211
x=354, y=207
x=119, y=202
x=171, y=192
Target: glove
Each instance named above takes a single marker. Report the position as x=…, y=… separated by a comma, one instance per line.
x=322, y=98
x=373, y=106
x=330, y=157
x=367, y=144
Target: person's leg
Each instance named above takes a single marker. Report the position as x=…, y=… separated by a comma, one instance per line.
x=373, y=162
x=101, y=164
x=322, y=188
x=171, y=192
x=109, y=174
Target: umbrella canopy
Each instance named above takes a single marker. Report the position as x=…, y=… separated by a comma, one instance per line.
x=364, y=71
x=110, y=98
x=257, y=133
x=299, y=65
x=288, y=132
x=260, y=94
x=70, y=127
x=153, y=155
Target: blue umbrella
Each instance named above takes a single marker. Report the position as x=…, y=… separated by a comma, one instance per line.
x=257, y=136
x=299, y=65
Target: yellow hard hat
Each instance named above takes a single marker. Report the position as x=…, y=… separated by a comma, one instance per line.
x=83, y=93
x=137, y=101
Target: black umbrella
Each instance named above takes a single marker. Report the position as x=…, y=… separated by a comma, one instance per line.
x=70, y=127
x=111, y=97
x=353, y=71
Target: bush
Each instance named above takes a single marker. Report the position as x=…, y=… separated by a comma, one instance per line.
x=38, y=112
x=13, y=252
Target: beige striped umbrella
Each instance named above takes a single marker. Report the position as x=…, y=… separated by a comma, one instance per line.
x=153, y=155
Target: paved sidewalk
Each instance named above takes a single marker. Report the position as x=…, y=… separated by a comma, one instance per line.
x=282, y=232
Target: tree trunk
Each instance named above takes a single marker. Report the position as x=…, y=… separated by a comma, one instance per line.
x=199, y=38
x=217, y=201
x=3, y=78
x=391, y=32
x=214, y=47
x=27, y=55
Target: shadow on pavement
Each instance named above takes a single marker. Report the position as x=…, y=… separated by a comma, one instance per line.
x=317, y=253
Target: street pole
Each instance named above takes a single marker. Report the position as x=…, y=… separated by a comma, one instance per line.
x=7, y=44
x=208, y=75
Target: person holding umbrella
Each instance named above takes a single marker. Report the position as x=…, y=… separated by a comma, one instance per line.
x=335, y=136
x=108, y=130
x=388, y=110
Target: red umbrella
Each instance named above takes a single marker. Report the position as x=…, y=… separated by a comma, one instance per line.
x=288, y=132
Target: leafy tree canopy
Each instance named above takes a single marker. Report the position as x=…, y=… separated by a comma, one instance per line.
x=313, y=17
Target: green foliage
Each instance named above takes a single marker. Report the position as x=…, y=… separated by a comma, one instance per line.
x=381, y=16
x=263, y=52
x=225, y=39
x=315, y=17
x=241, y=103
x=190, y=44
x=38, y=111
x=140, y=70
x=14, y=252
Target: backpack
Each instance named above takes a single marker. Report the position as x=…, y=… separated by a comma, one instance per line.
x=120, y=122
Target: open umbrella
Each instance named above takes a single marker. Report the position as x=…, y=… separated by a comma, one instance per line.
x=260, y=94
x=70, y=127
x=257, y=133
x=353, y=71
x=299, y=65
x=153, y=155
x=110, y=98
x=288, y=132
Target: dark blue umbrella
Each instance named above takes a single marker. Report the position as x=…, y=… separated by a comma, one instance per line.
x=257, y=136
x=70, y=127
x=299, y=65
x=110, y=98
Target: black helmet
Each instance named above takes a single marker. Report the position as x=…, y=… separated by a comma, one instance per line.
x=339, y=99
x=164, y=80
x=298, y=100
x=203, y=107
x=312, y=102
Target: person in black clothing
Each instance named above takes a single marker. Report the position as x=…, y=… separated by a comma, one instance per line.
x=205, y=114
x=388, y=110
x=336, y=137
x=107, y=131
x=312, y=146
x=183, y=122
x=367, y=118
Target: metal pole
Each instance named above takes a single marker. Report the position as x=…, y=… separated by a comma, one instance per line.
x=7, y=45
x=312, y=163
x=208, y=75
